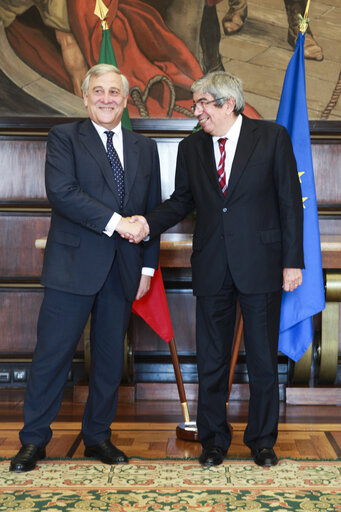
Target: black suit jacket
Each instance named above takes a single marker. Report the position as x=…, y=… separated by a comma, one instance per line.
x=82, y=191
x=257, y=228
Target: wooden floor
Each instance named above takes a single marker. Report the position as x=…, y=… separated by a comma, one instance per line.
x=147, y=429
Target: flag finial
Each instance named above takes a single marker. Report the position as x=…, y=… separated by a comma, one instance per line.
x=304, y=20
x=101, y=10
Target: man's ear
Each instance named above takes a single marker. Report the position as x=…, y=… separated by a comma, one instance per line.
x=231, y=103
x=85, y=99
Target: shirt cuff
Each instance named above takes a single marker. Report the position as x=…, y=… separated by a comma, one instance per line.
x=112, y=224
x=147, y=271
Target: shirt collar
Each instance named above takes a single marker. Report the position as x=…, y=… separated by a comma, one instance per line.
x=101, y=130
x=233, y=133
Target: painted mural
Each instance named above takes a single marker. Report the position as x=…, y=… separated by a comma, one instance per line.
x=162, y=46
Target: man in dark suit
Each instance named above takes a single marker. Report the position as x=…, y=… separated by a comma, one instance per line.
x=241, y=177
x=97, y=173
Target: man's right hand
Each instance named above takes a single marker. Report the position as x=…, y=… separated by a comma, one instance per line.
x=133, y=229
x=141, y=220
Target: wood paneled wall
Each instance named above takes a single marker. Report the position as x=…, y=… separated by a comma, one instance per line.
x=18, y=321
x=24, y=217
x=19, y=259
x=327, y=172
x=22, y=171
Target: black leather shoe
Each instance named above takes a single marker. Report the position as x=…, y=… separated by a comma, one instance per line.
x=211, y=456
x=106, y=452
x=264, y=457
x=26, y=458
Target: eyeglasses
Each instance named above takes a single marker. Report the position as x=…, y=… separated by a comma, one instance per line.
x=203, y=103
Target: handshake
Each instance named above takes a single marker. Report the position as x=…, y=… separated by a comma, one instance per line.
x=135, y=228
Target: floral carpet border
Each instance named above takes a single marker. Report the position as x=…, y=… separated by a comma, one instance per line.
x=172, y=485
x=166, y=474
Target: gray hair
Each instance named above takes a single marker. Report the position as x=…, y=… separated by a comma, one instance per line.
x=102, y=69
x=221, y=84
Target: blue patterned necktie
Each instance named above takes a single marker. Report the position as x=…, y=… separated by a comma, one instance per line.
x=116, y=166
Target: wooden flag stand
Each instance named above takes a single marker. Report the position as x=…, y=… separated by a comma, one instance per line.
x=187, y=430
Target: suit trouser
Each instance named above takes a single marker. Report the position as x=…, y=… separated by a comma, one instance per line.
x=61, y=322
x=215, y=331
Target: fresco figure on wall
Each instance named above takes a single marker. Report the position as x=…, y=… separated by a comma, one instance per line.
x=61, y=39
x=235, y=17
x=196, y=23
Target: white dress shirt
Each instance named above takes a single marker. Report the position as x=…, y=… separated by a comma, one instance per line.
x=118, y=145
x=230, y=146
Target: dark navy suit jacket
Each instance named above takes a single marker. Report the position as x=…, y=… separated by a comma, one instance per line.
x=83, y=195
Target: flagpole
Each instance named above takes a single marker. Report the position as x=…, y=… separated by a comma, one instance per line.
x=188, y=429
x=307, y=9
x=235, y=351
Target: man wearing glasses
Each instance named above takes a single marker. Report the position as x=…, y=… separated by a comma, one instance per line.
x=240, y=175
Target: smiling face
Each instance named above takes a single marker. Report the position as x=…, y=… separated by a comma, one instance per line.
x=214, y=120
x=105, y=100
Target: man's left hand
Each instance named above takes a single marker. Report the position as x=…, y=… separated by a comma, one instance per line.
x=292, y=278
x=143, y=286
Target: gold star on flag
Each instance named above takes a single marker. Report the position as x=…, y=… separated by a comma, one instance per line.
x=299, y=175
x=304, y=199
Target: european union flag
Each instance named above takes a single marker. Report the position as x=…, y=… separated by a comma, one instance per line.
x=299, y=306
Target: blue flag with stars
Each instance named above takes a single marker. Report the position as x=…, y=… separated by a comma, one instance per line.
x=299, y=306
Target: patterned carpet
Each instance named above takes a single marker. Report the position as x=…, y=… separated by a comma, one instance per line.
x=167, y=485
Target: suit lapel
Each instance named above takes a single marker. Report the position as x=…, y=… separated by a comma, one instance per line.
x=93, y=144
x=131, y=161
x=206, y=155
x=245, y=146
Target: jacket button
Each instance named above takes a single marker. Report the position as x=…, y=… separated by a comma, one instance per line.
x=224, y=210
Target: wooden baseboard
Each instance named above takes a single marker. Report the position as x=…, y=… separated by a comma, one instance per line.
x=168, y=391
x=126, y=393
x=313, y=396
x=156, y=391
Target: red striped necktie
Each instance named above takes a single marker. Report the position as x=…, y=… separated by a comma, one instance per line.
x=221, y=165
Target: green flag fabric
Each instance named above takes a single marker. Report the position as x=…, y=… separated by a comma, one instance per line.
x=107, y=56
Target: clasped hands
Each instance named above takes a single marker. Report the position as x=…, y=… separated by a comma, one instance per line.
x=135, y=228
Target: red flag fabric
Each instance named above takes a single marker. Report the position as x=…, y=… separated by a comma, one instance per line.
x=153, y=308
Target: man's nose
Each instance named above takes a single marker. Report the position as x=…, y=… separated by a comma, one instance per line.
x=198, y=108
